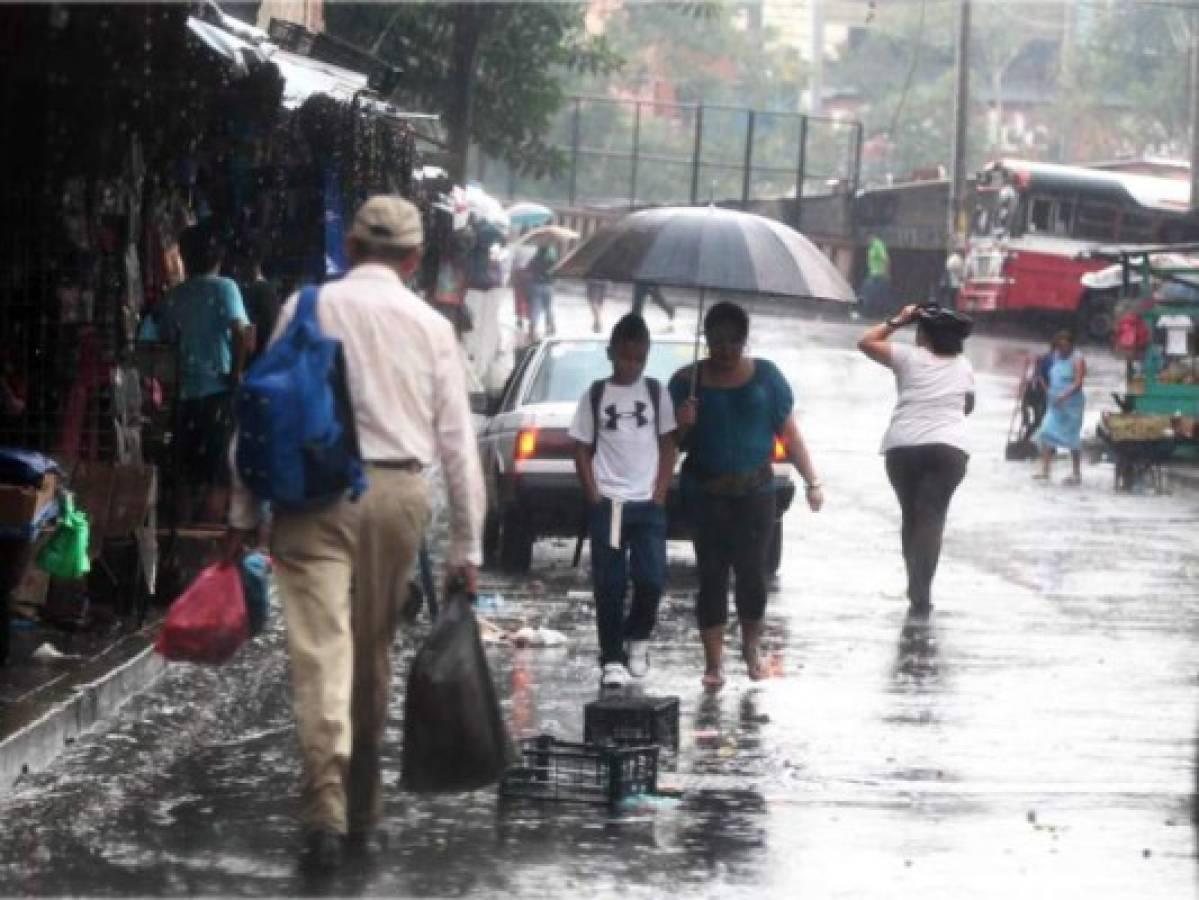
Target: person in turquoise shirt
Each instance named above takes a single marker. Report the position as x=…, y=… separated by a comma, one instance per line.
x=731, y=409
x=206, y=319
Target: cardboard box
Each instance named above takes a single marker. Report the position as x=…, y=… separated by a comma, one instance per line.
x=30, y=593
x=19, y=506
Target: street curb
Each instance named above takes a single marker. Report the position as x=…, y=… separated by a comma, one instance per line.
x=38, y=728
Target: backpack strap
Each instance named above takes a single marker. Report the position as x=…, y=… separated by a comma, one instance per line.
x=655, y=399
x=340, y=383
x=306, y=305
x=596, y=393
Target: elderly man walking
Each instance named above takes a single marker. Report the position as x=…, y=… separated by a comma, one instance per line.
x=408, y=392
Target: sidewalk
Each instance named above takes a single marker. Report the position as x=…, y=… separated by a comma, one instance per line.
x=61, y=681
x=46, y=705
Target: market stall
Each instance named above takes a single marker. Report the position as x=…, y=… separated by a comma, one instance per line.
x=1158, y=335
x=135, y=123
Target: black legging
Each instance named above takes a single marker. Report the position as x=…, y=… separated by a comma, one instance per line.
x=732, y=532
x=924, y=478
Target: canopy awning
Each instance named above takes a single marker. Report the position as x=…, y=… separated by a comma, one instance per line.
x=239, y=54
x=303, y=77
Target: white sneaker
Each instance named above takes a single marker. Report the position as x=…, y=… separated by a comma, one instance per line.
x=638, y=658
x=615, y=676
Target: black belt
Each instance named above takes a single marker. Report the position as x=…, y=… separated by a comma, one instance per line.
x=403, y=465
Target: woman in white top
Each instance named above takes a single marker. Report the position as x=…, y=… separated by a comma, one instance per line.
x=925, y=444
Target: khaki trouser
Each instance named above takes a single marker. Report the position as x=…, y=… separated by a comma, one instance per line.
x=340, y=641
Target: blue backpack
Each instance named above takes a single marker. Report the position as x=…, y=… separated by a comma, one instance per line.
x=297, y=443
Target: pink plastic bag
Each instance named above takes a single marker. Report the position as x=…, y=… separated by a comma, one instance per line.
x=208, y=622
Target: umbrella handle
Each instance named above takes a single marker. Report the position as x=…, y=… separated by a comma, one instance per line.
x=699, y=326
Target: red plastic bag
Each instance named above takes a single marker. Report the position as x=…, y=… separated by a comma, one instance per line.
x=208, y=622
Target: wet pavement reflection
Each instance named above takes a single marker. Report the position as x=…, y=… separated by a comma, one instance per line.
x=1034, y=737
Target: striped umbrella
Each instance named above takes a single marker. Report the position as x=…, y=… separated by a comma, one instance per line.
x=708, y=249
x=529, y=215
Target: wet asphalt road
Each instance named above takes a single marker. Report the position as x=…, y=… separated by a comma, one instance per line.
x=1034, y=740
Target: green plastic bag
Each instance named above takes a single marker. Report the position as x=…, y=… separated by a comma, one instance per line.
x=65, y=556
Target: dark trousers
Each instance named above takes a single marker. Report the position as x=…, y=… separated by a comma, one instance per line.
x=641, y=293
x=206, y=428
x=732, y=533
x=924, y=478
x=641, y=557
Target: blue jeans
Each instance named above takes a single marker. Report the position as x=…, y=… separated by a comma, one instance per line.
x=642, y=555
x=541, y=303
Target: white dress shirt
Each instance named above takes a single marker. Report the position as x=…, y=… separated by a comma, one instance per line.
x=408, y=389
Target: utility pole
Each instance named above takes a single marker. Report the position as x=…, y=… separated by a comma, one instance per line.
x=1195, y=111
x=961, y=109
x=816, y=76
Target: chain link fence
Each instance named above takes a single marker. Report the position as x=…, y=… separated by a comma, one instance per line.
x=632, y=153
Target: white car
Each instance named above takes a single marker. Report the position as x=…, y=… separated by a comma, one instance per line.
x=528, y=454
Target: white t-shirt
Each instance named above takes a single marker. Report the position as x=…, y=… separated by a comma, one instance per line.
x=932, y=398
x=626, y=455
x=1177, y=328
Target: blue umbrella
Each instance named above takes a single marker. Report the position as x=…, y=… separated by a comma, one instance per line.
x=529, y=215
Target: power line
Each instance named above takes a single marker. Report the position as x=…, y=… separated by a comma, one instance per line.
x=907, y=82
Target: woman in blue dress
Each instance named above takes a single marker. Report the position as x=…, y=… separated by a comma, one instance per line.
x=1062, y=426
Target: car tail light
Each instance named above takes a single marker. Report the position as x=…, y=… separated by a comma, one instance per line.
x=780, y=450
x=526, y=443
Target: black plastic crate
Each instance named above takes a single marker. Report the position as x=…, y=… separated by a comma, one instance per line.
x=551, y=769
x=632, y=722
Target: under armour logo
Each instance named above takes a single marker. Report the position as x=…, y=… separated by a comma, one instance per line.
x=614, y=417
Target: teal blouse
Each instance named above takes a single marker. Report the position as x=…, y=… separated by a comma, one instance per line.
x=735, y=430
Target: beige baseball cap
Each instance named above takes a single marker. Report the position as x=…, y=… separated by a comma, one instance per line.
x=386, y=220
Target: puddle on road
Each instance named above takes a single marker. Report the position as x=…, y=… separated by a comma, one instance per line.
x=832, y=773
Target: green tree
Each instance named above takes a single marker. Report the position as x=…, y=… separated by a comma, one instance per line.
x=494, y=71
x=1127, y=83
x=904, y=71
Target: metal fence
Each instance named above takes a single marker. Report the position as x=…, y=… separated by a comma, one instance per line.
x=631, y=153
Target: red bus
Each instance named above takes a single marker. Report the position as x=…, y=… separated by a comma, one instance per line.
x=1033, y=224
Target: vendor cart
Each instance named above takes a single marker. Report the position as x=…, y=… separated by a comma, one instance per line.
x=1140, y=444
x=1161, y=396
x=1027, y=415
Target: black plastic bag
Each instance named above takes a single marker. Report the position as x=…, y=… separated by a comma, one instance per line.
x=454, y=733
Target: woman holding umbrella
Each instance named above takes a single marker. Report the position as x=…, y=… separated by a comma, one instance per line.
x=925, y=444
x=731, y=407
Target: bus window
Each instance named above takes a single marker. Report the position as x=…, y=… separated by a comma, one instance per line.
x=1040, y=214
x=1005, y=209
x=1095, y=222
x=1136, y=228
x=1063, y=218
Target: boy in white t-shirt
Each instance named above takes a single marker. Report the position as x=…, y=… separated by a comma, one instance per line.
x=624, y=453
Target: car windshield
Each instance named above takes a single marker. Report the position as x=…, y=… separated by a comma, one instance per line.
x=569, y=367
